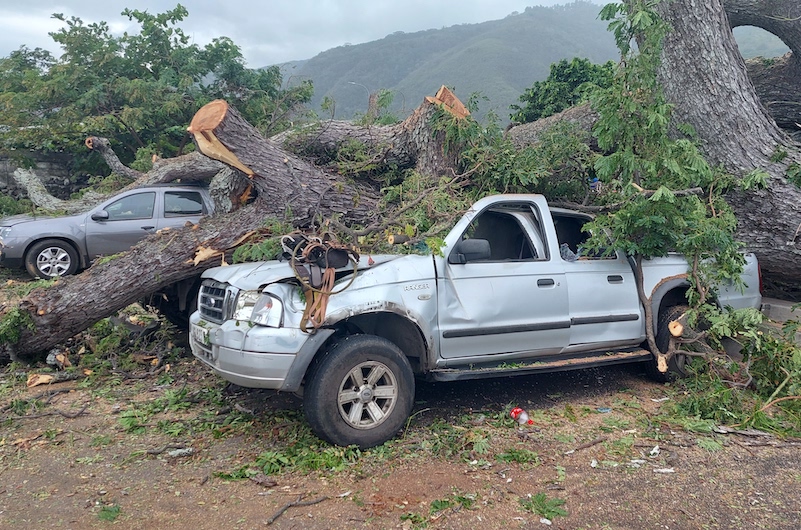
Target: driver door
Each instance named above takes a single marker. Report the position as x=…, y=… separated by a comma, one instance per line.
x=513, y=302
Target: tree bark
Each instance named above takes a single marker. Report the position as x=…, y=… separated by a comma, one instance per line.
x=285, y=186
x=704, y=76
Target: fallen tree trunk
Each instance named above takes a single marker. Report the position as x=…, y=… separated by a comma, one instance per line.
x=286, y=187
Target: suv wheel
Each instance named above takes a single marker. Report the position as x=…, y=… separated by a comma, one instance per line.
x=51, y=258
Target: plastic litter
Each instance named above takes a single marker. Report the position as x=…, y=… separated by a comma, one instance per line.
x=521, y=416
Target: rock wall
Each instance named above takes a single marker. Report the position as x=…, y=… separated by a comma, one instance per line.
x=52, y=168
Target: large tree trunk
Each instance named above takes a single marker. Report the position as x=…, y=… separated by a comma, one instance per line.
x=704, y=76
x=286, y=187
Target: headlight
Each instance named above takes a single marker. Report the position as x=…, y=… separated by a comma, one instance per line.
x=5, y=231
x=244, y=304
x=268, y=311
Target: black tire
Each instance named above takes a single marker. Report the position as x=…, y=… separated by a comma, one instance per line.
x=51, y=258
x=677, y=366
x=360, y=392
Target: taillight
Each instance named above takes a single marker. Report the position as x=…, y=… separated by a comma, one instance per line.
x=761, y=285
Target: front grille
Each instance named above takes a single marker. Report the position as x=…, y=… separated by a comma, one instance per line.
x=214, y=298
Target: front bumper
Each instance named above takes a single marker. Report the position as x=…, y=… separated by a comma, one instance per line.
x=255, y=356
x=9, y=257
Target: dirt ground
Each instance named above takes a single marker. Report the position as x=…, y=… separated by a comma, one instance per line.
x=144, y=448
x=70, y=463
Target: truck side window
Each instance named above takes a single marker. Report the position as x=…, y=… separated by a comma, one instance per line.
x=507, y=239
x=571, y=237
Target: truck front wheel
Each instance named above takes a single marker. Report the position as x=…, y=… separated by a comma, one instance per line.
x=360, y=392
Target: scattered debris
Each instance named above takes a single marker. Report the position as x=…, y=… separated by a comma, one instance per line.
x=604, y=410
x=39, y=379
x=596, y=441
x=722, y=429
x=263, y=480
x=178, y=453
x=298, y=502
x=655, y=451
x=166, y=448
x=664, y=470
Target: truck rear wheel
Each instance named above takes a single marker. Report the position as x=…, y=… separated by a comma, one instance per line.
x=360, y=392
x=677, y=366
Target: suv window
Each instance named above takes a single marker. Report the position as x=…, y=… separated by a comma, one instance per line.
x=180, y=203
x=137, y=206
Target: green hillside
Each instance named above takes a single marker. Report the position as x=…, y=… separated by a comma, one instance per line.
x=498, y=59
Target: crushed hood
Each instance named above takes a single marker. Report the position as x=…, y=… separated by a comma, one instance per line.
x=255, y=275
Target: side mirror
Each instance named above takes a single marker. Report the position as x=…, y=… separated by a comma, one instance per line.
x=468, y=250
x=102, y=215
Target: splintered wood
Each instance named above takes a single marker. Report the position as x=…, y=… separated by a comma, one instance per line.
x=202, y=127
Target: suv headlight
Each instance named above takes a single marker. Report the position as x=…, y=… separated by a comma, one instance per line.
x=244, y=304
x=5, y=231
x=268, y=311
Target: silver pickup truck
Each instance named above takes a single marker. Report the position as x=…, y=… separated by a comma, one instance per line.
x=511, y=294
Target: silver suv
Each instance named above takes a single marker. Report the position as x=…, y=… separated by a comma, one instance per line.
x=58, y=246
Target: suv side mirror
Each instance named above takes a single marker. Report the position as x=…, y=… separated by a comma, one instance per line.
x=468, y=250
x=102, y=215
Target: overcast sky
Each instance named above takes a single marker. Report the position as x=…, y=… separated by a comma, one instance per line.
x=269, y=31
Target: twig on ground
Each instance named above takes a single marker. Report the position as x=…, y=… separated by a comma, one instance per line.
x=587, y=444
x=68, y=415
x=298, y=502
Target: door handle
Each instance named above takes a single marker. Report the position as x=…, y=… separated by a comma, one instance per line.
x=148, y=228
x=545, y=282
x=614, y=278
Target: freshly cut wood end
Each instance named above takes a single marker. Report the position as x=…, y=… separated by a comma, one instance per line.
x=676, y=328
x=661, y=363
x=208, y=116
x=449, y=100
x=397, y=239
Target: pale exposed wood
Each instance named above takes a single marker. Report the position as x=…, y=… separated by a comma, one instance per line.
x=397, y=239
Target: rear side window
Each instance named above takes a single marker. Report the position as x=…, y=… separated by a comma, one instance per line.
x=180, y=203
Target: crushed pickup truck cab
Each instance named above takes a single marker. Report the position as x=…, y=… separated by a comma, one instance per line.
x=511, y=294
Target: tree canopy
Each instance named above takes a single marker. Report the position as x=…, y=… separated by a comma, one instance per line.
x=139, y=90
x=568, y=84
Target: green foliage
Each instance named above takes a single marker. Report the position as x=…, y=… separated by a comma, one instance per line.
x=633, y=128
x=568, y=84
x=522, y=456
x=12, y=324
x=139, y=90
x=109, y=512
x=10, y=206
x=541, y=505
x=266, y=247
x=794, y=174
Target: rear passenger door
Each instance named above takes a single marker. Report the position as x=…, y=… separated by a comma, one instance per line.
x=180, y=206
x=605, y=308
